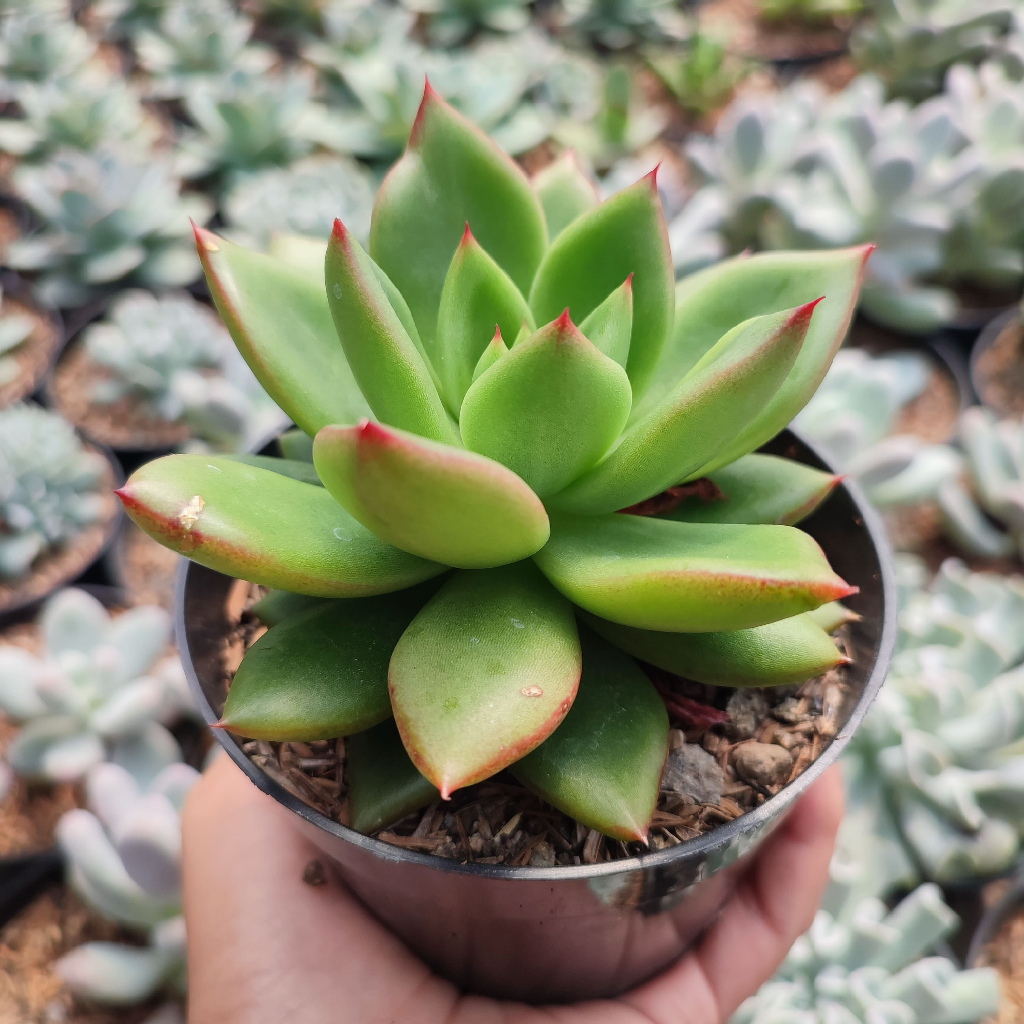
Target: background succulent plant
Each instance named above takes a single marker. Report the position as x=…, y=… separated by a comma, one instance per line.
x=87, y=111
x=302, y=199
x=939, y=742
x=620, y=23
x=124, y=860
x=15, y=329
x=452, y=21
x=809, y=11
x=861, y=961
x=984, y=514
x=172, y=354
x=701, y=75
x=49, y=486
x=852, y=417
x=101, y=687
x=39, y=43
x=438, y=445
x=912, y=43
x=107, y=218
x=195, y=40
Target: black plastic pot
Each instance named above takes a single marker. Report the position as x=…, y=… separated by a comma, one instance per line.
x=563, y=933
x=992, y=330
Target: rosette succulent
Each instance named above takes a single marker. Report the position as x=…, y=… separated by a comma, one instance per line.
x=101, y=688
x=39, y=43
x=483, y=404
x=451, y=21
x=49, y=486
x=15, y=329
x=124, y=861
x=620, y=23
x=941, y=746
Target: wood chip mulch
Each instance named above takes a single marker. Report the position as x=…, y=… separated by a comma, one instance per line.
x=733, y=748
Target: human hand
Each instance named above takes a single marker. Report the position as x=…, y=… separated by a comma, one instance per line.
x=265, y=947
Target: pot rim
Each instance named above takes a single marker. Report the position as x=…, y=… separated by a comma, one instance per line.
x=989, y=333
x=722, y=836
x=993, y=919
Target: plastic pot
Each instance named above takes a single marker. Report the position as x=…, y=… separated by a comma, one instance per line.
x=1010, y=904
x=992, y=331
x=566, y=933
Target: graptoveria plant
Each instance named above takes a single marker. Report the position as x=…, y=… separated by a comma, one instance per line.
x=494, y=401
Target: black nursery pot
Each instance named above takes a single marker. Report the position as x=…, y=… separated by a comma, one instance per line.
x=567, y=933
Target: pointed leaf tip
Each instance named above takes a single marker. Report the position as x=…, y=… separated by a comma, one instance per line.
x=802, y=314
x=122, y=493
x=430, y=94
x=564, y=322
x=205, y=240
x=467, y=236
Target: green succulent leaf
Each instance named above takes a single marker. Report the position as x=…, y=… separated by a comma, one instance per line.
x=833, y=615
x=686, y=577
x=279, y=605
x=565, y=193
x=477, y=296
x=296, y=445
x=603, y=764
x=385, y=360
x=610, y=326
x=383, y=784
x=297, y=469
x=273, y=312
x=760, y=489
x=322, y=673
x=496, y=348
x=712, y=302
x=452, y=174
x=266, y=528
x=484, y=673
x=433, y=500
x=779, y=653
x=722, y=394
x=525, y=331
x=625, y=235
x=549, y=409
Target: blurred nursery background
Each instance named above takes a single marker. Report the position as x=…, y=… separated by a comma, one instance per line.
x=777, y=124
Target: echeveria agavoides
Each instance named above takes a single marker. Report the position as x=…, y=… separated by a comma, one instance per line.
x=495, y=386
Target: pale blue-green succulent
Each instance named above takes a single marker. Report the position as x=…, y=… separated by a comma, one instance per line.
x=108, y=218
x=940, y=745
x=124, y=860
x=15, y=329
x=620, y=23
x=172, y=355
x=102, y=689
x=49, y=487
x=453, y=21
x=39, y=43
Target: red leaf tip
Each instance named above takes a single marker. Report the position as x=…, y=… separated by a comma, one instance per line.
x=339, y=231
x=204, y=239
x=802, y=314
x=629, y=282
x=497, y=335
x=564, y=322
x=122, y=493
x=467, y=236
x=429, y=95
x=652, y=175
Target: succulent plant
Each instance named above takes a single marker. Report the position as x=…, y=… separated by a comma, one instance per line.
x=702, y=74
x=861, y=961
x=88, y=110
x=441, y=445
x=912, y=43
x=39, y=43
x=107, y=219
x=195, y=40
x=986, y=244
x=48, y=486
x=809, y=11
x=490, y=83
x=100, y=690
x=124, y=860
x=15, y=329
x=452, y=21
x=851, y=418
x=617, y=24
x=986, y=517
x=623, y=123
x=300, y=200
x=246, y=122
x=172, y=354
x=939, y=743
x=801, y=171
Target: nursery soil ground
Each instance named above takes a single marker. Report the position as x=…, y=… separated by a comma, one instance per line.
x=125, y=424
x=148, y=571
x=9, y=230
x=65, y=563
x=758, y=740
x=745, y=32
x=999, y=372
x=33, y=356
x=1006, y=954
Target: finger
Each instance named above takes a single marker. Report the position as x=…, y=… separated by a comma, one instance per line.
x=773, y=905
x=263, y=944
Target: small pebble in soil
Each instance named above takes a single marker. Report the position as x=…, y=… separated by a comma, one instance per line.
x=692, y=772
x=747, y=709
x=314, y=874
x=764, y=764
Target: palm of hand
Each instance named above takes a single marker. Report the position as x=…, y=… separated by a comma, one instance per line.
x=264, y=946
